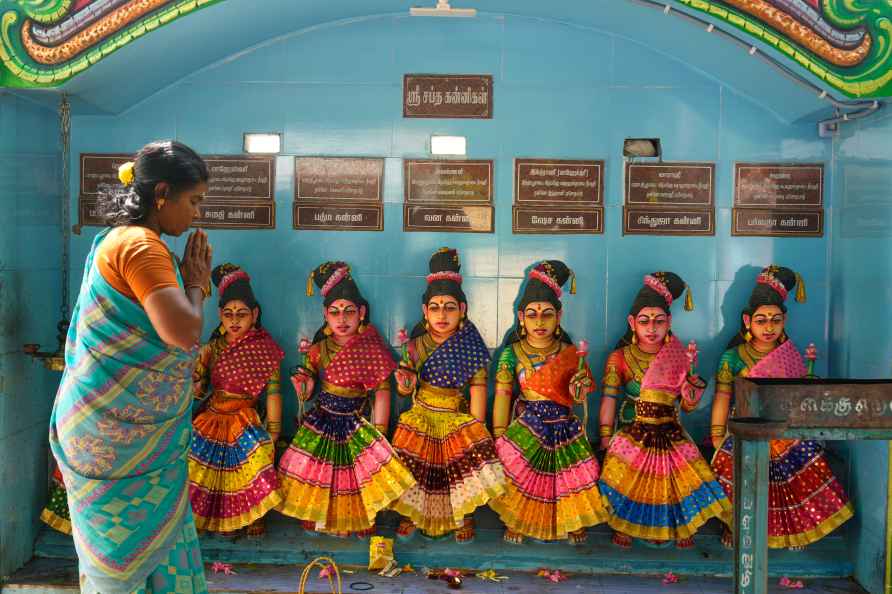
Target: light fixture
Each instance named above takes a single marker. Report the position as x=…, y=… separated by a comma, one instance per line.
x=442, y=9
x=266, y=143
x=642, y=147
x=449, y=145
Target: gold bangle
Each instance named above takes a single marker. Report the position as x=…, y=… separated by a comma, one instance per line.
x=605, y=430
x=205, y=289
x=717, y=430
x=273, y=425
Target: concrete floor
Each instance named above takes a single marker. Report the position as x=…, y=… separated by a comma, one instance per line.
x=59, y=576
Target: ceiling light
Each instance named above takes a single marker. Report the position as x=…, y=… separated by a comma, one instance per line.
x=449, y=145
x=442, y=9
x=263, y=143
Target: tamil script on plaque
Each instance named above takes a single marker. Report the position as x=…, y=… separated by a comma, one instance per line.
x=447, y=96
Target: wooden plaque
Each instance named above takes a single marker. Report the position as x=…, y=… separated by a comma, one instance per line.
x=236, y=216
x=241, y=178
x=771, y=222
x=456, y=182
x=352, y=179
x=666, y=221
x=682, y=185
x=818, y=403
x=567, y=182
x=776, y=185
x=448, y=218
x=447, y=96
x=99, y=170
x=556, y=220
x=338, y=217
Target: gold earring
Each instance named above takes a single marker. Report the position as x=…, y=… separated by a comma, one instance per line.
x=160, y=204
x=426, y=326
x=327, y=331
x=747, y=337
x=667, y=338
x=557, y=332
x=523, y=331
x=634, y=338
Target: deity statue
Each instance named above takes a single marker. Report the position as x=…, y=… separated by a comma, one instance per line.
x=232, y=473
x=340, y=470
x=551, y=470
x=442, y=440
x=659, y=487
x=55, y=514
x=805, y=501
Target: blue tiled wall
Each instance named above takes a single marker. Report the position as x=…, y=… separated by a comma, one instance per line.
x=861, y=327
x=575, y=93
x=30, y=286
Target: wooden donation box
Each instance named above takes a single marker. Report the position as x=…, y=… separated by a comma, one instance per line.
x=766, y=409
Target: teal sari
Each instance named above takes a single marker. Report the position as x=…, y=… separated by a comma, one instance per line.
x=120, y=431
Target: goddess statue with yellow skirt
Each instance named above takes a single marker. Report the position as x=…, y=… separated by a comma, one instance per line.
x=552, y=473
x=444, y=442
x=659, y=487
x=232, y=472
x=340, y=470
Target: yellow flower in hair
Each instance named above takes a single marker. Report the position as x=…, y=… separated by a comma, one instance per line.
x=125, y=173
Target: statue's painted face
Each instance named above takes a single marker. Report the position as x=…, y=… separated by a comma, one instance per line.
x=766, y=324
x=540, y=319
x=650, y=325
x=443, y=314
x=343, y=317
x=237, y=318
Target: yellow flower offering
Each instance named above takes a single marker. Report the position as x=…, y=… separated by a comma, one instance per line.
x=125, y=173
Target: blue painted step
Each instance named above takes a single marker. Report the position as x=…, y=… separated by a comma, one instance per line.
x=286, y=544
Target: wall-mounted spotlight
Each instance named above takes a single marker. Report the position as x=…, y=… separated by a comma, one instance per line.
x=449, y=145
x=265, y=143
x=642, y=147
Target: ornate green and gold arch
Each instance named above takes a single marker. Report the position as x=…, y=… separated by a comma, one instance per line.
x=43, y=43
x=845, y=43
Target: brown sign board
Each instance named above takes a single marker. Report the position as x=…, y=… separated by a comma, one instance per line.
x=682, y=185
x=240, y=190
x=453, y=181
x=550, y=219
x=785, y=186
x=770, y=222
x=236, y=216
x=353, y=179
x=338, y=217
x=569, y=182
x=100, y=170
x=88, y=214
x=447, y=96
x=816, y=403
x=449, y=218
x=668, y=221
x=241, y=178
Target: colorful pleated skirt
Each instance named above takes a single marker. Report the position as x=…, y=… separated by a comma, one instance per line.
x=452, y=457
x=339, y=471
x=232, y=473
x=552, y=474
x=55, y=514
x=657, y=483
x=805, y=501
